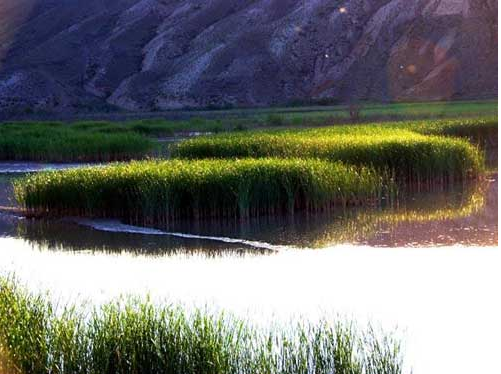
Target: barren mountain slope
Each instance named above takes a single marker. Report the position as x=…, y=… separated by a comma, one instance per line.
x=70, y=55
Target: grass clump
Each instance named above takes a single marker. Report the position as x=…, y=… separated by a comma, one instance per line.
x=134, y=336
x=411, y=157
x=56, y=142
x=482, y=131
x=156, y=192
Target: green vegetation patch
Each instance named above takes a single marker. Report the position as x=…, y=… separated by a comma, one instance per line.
x=354, y=225
x=482, y=131
x=104, y=140
x=56, y=142
x=132, y=336
x=156, y=192
x=153, y=127
x=410, y=156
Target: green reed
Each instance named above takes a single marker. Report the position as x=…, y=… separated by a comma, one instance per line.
x=409, y=156
x=57, y=142
x=455, y=127
x=157, y=192
x=135, y=336
x=482, y=131
x=354, y=225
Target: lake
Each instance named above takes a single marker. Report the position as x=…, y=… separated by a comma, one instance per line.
x=425, y=264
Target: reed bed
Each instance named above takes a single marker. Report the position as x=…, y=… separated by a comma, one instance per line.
x=411, y=157
x=458, y=127
x=157, y=192
x=132, y=336
x=462, y=127
x=56, y=142
x=105, y=141
x=354, y=225
x=481, y=131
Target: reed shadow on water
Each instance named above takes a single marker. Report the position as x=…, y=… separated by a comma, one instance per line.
x=465, y=214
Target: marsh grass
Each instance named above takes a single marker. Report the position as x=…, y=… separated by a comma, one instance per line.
x=56, y=142
x=134, y=336
x=410, y=157
x=354, y=225
x=158, y=192
x=482, y=131
x=343, y=165
x=105, y=140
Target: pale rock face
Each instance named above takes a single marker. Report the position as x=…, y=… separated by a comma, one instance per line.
x=145, y=55
x=443, y=46
x=451, y=7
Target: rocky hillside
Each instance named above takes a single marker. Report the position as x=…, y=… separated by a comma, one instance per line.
x=72, y=55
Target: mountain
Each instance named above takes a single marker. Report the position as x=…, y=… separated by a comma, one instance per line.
x=146, y=55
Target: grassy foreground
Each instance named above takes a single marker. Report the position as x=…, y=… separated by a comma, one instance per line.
x=411, y=157
x=156, y=192
x=127, y=337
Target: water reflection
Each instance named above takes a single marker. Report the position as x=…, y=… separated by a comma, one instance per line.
x=65, y=235
x=466, y=214
x=6, y=193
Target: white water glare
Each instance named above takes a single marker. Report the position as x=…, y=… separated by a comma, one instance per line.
x=444, y=301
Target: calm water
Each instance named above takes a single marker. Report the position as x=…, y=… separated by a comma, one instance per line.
x=427, y=265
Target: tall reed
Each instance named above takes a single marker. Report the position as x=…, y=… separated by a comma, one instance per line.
x=156, y=192
x=55, y=142
x=133, y=336
x=354, y=225
x=482, y=131
x=411, y=157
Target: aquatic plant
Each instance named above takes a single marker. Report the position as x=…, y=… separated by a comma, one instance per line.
x=353, y=225
x=135, y=336
x=106, y=140
x=56, y=142
x=482, y=131
x=410, y=157
x=157, y=192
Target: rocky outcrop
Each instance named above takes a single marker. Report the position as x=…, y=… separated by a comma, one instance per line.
x=145, y=55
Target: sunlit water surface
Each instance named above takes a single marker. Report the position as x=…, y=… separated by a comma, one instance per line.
x=381, y=266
